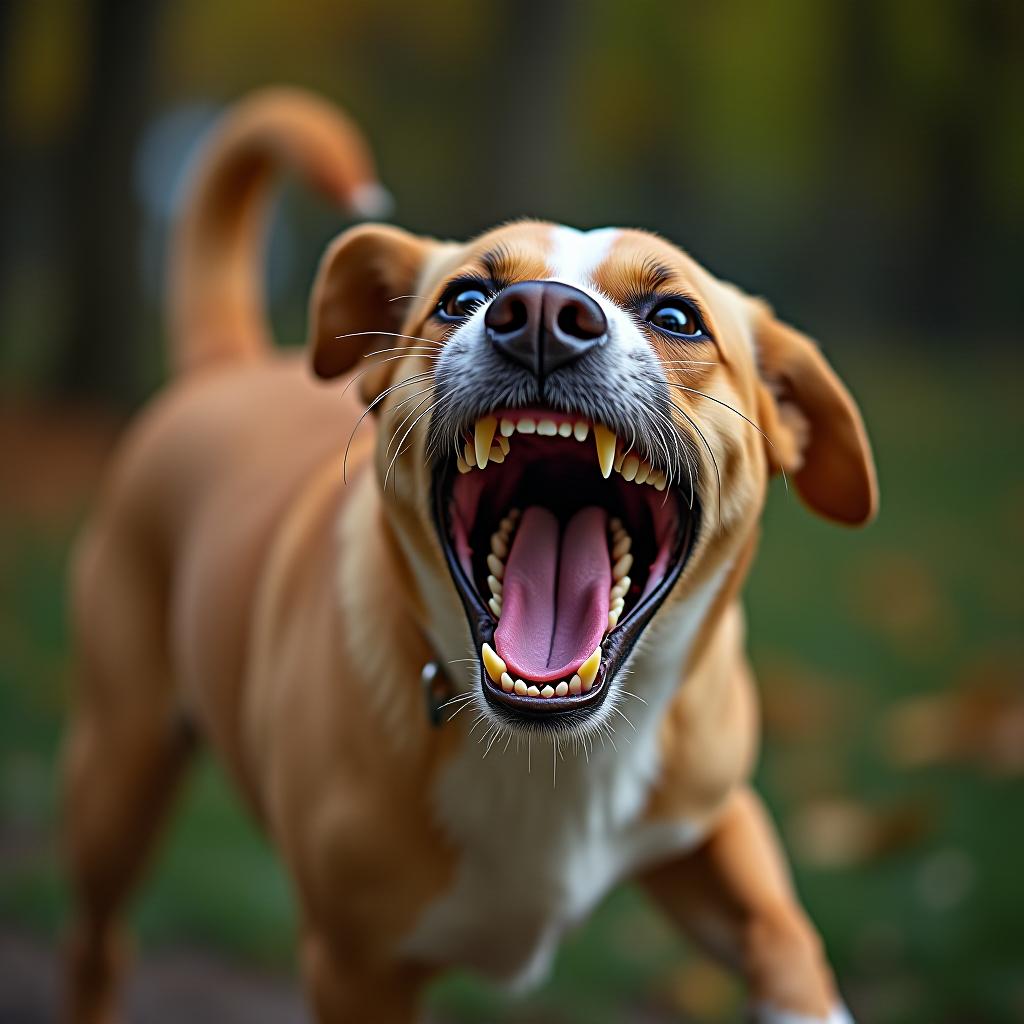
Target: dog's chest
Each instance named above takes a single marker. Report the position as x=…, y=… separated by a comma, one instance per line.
x=539, y=845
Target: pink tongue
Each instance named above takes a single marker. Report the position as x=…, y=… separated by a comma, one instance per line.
x=555, y=595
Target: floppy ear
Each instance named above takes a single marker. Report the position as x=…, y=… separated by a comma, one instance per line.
x=814, y=425
x=362, y=270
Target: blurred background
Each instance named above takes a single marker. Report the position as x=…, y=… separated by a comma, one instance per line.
x=861, y=163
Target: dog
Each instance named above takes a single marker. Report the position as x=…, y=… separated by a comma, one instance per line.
x=413, y=597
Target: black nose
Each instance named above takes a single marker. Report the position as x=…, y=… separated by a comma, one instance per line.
x=543, y=325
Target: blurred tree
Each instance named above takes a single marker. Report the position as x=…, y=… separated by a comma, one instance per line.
x=98, y=351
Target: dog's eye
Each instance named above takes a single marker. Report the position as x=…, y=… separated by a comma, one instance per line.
x=676, y=317
x=461, y=299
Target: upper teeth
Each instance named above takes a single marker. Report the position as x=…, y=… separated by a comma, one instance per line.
x=490, y=443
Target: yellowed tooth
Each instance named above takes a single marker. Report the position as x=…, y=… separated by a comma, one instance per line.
x=494, y=665
x=621, y=588
x=604, y=440
x=526, y=426
x=548, y=692
x=508, y=428
x=622, y=545
x=482, y=438
x=496, y=565
x=494, y=604
x=470, y=455
x=576, y=685
x=617, y=606
x=630, y=464
x=588, y=670
x=462, y=465
x=499, y=546
x=580, y=430
x=496, y=455
x=532, y=691
x=615, y=524
x=547, y=428
x=613, y=621
x=506, y=682
x=643, y=473
x=496, y=586
x=520, y=687
x=619, y=456
x=504, y=444
x=661, y=481
x=564, y=429
x=622, y=566
x=562, y=689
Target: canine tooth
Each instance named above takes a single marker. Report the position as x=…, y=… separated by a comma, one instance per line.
x=496, y=455
x=494, y=665
x=532, y=691
x=580, y=429
x=547, y=428
x=548, y=692
x=562, y=689
x=499, y=546
x=526, y=426
x=622, y=566
x=575, y=685
x=622, y=545
x=520, y=687
x=630, y=464
x=588, y=670
x=504, y=444
x=604, y=440
x=496, y=565
x=482, y=438
x=564, y=429
x=495, y=584
x=613, y=621
x=643, y=472
x=619, y=590
x=506, y=682
x=494, y=604
x=508, y=428
x=462, y=465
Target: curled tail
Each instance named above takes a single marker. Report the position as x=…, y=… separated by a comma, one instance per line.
x=215, y=306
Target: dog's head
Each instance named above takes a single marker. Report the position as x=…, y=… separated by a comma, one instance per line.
x=572, y=425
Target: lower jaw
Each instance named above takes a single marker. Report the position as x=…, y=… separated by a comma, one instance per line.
x=560, y=714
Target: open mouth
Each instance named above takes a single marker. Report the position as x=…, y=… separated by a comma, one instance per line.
x=562, y=542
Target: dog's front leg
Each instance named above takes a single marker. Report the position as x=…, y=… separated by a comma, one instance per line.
x=344, y=988
x=734, y=897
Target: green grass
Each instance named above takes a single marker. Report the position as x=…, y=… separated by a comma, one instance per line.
x=844, y=625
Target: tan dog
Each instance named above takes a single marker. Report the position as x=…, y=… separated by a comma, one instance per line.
x=546, y=480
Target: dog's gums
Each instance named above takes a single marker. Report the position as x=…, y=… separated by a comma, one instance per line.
x=561, y=550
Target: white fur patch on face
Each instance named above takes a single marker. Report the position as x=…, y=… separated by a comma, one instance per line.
x=767, y=1014
x=576, y=255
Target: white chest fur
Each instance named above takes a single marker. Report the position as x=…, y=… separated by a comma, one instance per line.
x=543, y=836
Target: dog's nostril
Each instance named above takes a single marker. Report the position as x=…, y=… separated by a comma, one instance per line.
x=580, y=323
x=509, y=317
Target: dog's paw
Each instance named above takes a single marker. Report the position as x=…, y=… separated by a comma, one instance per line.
x=767, y=1014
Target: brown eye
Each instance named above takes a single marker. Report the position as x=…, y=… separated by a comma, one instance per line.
x=460, y=300
x=676, y=317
